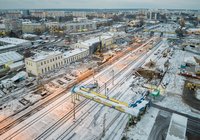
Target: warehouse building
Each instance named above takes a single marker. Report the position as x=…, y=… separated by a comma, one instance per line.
x=11, y=61
x=13, y=44
x=105, y=41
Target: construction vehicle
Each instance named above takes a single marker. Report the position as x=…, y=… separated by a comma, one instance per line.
x=198, y=72
x=192, y=86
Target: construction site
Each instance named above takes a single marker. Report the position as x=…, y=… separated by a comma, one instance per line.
x=140, y=86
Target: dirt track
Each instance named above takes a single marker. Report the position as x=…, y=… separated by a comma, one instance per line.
x=190, y=98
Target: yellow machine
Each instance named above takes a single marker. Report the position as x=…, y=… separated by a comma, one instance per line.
x=192, y=86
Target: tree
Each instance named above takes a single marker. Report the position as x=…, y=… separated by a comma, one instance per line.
x=37, y=31
x=12, y=34
x=141, y=23
x=181, y=23
x=179, y=32
x=130, y=16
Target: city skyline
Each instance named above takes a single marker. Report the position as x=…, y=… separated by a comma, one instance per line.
x=87, y=4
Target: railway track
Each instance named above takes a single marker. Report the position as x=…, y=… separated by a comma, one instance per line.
x=113, y=134
x=66, y=118
x=28, y=114
x=33, y=111
x=123, y=119
x=91, y=109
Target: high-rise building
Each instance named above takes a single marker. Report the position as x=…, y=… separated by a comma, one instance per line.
x=14, y=25
x=79, y=14
x=13, y=14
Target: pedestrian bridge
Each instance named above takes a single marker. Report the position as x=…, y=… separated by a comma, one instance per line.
x=134, y=109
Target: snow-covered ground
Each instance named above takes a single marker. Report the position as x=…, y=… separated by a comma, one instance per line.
x=174, y=90
x=198, y=94
x=143, y=128
x=10, y=108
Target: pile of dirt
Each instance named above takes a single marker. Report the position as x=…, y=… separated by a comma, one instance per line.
x=149, y=74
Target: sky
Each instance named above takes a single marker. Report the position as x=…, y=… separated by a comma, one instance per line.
x=101, y=4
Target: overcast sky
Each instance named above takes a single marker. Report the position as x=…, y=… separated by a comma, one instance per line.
x=33, y=4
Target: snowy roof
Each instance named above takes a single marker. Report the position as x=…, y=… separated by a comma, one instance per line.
x=29, y=35
x=43, y=55
x=7, y=46
x=14, y=41
x=118, y=25
x=190, y=60
x=106, y=37
x=16, y=65
x=80, y=23
x=91, y=41
x=194, y=29
x=19, y=75
x=73, y=52
x=2, y=26
x=31, y=24
x=11, y=56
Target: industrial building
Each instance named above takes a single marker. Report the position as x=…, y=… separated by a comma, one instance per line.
x=118, y=28
x=104, y=41
x=10, y=61
x=9, y=58
x=13, y=44
x=14, y=25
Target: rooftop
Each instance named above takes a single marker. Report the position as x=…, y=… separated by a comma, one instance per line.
x=2, y=26
x=43, y=55
x=14, y=41
x=91, y=41
x=7, y=46
x=73, y=52
x=11, y=56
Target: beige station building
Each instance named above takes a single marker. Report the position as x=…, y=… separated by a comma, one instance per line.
x=45, y=62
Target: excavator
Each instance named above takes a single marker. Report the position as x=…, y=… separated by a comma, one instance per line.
x=192, y=86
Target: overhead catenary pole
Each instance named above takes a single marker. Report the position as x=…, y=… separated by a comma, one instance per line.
x=93, y=75
x=113, y=76
x=105, y=89
x=104, y=125
x=74, y=109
